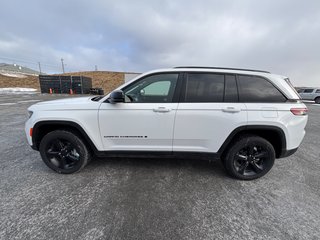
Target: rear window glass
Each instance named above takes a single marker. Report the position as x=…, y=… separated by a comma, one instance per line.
x=204, y=87
x=258, y=89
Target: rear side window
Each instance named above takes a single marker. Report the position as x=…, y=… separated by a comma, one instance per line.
x=258, y=89
x=318, y=91
x=204, y=87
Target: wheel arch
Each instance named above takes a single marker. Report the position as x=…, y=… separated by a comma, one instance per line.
x=40, y=129
x=275, y=135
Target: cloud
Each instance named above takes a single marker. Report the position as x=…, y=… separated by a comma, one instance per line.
x=280, y=36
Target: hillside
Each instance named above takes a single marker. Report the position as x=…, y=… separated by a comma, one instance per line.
x=100, y=79
x=15, y=68
x=24, y=81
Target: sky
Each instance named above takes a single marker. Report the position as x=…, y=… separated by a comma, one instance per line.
x=280, y=36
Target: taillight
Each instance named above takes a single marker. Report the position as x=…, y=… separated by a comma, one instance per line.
x=299, y=111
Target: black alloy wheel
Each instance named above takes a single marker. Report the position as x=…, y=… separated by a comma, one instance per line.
x=62, y=154
x=249, y=158
x=63, y=151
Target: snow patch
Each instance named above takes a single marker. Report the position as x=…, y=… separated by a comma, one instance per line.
x=7, y=104
x=27, y=101
x=16, y=75
x=17, y=90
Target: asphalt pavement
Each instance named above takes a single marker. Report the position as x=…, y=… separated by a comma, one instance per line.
x=152, y=198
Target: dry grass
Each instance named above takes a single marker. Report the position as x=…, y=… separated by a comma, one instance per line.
x=100, y=79
x=27, y=82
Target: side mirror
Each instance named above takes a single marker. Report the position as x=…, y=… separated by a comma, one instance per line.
x=116, y=96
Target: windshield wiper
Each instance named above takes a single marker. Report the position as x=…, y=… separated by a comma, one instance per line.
x=97, y=98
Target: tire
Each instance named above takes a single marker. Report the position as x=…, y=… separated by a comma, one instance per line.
x=249, y=157
x=317, y=100
x=64, y=152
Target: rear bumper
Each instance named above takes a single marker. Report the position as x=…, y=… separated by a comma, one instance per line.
x=34, y=147
x=287, y=153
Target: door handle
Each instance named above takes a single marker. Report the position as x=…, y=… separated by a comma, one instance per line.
x=161, y=109
x=231, y=109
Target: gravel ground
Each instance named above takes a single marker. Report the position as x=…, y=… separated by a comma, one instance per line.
x=152, y=198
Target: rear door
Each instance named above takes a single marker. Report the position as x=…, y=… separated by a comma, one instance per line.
x=208, y=112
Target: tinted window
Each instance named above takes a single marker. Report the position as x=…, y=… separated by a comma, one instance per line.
x=318, y=91
x=231, y=92
x=204, y=87
x=152, y=89
x=257, y=89
x=308, y=91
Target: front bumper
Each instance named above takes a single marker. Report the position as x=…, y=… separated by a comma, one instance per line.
x=27, y=127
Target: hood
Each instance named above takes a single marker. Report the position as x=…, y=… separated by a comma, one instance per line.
x=67, y=100
x=80, y=103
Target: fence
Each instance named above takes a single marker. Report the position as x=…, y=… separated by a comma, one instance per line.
x=65, y=84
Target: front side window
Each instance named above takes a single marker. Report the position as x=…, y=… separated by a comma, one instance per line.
x=204, y=87
x=157, y=88
x=258, y=89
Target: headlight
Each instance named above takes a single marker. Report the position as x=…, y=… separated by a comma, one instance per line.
x=30, y=113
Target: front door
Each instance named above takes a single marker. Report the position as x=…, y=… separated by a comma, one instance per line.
x=145, y=121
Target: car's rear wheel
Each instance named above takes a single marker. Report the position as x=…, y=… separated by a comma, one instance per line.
x=249, y=157
x=64, y=152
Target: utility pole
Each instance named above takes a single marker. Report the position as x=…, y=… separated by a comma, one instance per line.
x=95, y=67
x=62, y=65
x=39, y=68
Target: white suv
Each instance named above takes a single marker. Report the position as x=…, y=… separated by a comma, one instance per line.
x=312, y=94
x=244, y=117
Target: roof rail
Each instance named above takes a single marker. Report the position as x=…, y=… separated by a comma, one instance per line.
x=239, y=69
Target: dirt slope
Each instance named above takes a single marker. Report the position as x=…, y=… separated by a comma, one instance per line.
x=27, y=81
x=102, y=79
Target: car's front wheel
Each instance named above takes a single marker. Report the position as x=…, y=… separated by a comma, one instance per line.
x=64, y=152
x=249, y=157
